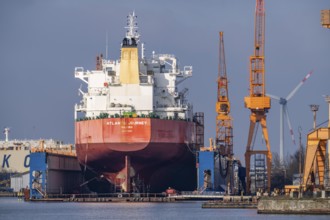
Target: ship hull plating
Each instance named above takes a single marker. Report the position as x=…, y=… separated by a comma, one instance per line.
x=161, y=152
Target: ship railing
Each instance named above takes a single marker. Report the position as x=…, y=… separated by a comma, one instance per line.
x=203, y=192
x=119, y=112
x=80, y=108
x=58, y=151
x=185, y=74
x=166, y=56
x=146, y=80
x=81, y=73
x=173, y=108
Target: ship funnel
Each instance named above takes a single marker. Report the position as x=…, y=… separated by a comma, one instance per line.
x=129, y=62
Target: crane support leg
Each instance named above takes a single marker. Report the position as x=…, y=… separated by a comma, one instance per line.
x=269, y=153
x=315, y=158
x=254, y=119
x=248, y=152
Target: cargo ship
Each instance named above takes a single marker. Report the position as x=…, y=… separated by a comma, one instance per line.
x=135, y=131
x=15, y=154
x=15, y=157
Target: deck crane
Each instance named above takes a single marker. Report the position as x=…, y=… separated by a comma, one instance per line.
x=257, y=101
x=224, y=125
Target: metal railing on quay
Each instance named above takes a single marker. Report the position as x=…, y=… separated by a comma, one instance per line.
x=106, y=195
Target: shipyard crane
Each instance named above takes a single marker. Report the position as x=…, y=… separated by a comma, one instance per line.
x=224, y=124
x=317, y=166
x=257, y=101
x=325, y=18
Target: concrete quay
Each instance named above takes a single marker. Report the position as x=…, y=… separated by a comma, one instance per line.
x=278, y=205
x=230, y=202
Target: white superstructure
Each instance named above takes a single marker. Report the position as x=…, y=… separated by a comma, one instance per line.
x=114, y=89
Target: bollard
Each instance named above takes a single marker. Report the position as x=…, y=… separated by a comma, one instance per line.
x=323, y=194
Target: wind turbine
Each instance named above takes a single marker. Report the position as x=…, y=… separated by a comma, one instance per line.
x=285, y=113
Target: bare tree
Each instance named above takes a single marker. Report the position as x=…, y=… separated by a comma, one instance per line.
x=283, y=175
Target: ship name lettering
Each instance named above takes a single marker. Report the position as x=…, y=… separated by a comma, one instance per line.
x=6, y=160
x=27, y=161
x=113, y=123
x=140, y=123
x=126, y=127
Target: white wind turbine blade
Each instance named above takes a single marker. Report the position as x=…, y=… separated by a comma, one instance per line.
x=289, y=124
x=298, y=86
x=273, y=96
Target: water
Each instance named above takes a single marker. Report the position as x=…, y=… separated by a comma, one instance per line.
x=12, y=208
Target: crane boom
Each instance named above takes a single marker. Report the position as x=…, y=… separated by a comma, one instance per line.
x=257, y=101
x=224, y=133
x=222, y=76
x=259, y=35
x=224, y=124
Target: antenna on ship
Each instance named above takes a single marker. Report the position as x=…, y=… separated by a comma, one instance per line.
x=142, y=50
x=6, y=132
x=132, y=27
x=106, y=45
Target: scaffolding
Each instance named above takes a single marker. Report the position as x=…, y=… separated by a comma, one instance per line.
x=258, y=174
x=199, y=120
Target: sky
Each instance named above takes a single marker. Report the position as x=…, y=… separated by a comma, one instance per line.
x=42, y=41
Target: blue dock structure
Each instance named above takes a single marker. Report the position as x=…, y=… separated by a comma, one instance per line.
x=54, y=173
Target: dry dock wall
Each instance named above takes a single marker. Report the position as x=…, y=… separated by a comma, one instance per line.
x=53, y=174
x=293, y=206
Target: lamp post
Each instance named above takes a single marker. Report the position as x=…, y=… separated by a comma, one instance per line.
x=300, y=165
x=314, y=109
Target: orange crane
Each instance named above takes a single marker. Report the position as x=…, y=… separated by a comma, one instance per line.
x=224, y=124
x=316, y=170
x=257, y=101
x=325, y=18
x=224, y=127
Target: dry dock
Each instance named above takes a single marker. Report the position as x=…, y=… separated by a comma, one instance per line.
x=214, y=201
x=111, y=197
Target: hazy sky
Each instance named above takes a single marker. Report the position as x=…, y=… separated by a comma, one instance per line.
x=42, y=41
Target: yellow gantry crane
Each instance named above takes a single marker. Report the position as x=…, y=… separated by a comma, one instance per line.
x=315, y=162
x=315, y=170
x=325, y=18
x=257, y=101
x=224, y=124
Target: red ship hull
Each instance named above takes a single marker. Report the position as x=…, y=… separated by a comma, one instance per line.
x=161, y=151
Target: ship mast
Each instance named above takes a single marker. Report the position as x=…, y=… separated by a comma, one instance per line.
x=6, y=132
x=132, y=27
